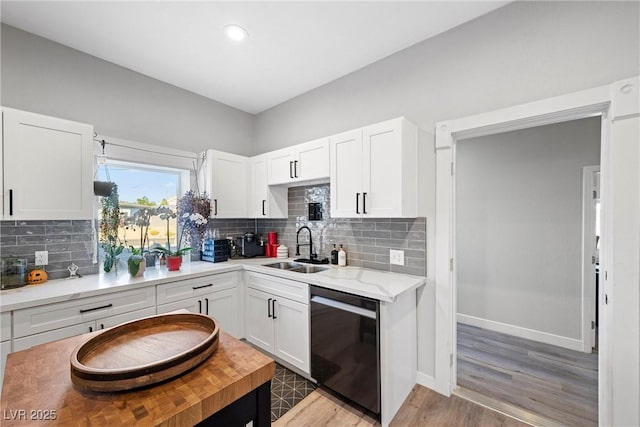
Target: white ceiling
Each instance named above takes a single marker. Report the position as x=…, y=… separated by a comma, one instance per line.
x=293, y=47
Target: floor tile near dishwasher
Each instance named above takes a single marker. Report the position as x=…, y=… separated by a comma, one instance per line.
x=287, y=390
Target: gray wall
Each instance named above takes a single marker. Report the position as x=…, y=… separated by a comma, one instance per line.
x=519, y=225
x=44, y=77
x=522, y=52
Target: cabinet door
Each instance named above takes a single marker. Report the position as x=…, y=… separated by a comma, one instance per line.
x=389, y=182
x=258, y=324
x=280, y=167
x=194, y=305
x=48, y=167
x=228, y=184
x=382, y=170
x=224, y=307
x=259, y=202
x=312, y=160
x=346, y=174
x=5, y=349
x=292, y=332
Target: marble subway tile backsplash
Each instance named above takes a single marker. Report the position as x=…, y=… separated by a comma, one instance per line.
x=66, y=241
x=367, y=241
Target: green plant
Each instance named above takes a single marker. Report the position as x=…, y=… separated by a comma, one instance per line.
x=110, y=215
x=190, y=221
x=142, y=220
x=111, y=253
x=134, y=260
x=109, y=223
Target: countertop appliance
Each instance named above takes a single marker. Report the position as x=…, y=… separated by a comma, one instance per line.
x=345, y=345
x=250, y=246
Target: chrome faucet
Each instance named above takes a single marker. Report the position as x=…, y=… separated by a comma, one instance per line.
x=312, y=255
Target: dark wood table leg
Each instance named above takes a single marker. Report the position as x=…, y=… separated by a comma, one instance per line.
x=263, y=416
x=254, y=406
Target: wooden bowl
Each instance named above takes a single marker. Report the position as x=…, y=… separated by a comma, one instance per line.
x=143, y=352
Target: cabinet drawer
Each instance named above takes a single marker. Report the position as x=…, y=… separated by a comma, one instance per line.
x=57, y=334
x=125, y=317
x=5, y=326
x=297, y=291
x=59, y=315
x=185, y=289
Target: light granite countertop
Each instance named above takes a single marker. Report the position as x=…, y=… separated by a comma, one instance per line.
x=381, y=285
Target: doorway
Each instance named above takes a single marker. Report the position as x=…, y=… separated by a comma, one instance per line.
x=617, y=104
x=520, y=291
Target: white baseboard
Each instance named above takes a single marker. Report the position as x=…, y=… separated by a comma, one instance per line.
x=518, y=331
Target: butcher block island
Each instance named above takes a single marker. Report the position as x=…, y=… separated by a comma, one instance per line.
x=231, y=387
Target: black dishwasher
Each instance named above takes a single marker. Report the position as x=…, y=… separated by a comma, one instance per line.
x=345, y=345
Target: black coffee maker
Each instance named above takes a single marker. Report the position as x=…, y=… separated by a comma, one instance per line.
x=250, y=246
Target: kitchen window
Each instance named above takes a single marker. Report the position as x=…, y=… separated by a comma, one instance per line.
x=144, y=188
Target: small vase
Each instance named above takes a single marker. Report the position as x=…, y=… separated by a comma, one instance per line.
x=143, y=265
x=174, y=263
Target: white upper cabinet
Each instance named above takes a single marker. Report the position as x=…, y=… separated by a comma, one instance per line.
x=303, y=162
x=225, y=181
x=374, y=171
x=48, y=167
x=264, y=201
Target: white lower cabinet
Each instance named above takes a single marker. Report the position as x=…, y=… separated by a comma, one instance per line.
x=81, y=328
x=216, y=295
x=5, y=342
x=41, y=324
x=278, y=324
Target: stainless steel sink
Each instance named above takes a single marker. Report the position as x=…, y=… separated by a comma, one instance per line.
x=294, y=266
x=308, y=269
x=283, y=265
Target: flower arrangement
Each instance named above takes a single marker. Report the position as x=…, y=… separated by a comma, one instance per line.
x=193, y=211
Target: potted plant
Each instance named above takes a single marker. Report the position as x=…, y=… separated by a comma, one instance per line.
x=110, y=244
x=136, y=262
x=142, y=220
x=189, y=221
x=111, y=253
x=193, y=211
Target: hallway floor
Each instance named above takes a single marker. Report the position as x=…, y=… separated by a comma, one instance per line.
x=551, y=382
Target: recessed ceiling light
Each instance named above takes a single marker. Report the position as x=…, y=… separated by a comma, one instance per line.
x=236, y=32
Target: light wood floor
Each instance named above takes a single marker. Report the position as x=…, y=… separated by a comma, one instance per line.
x=551, y=382
x=422, y=408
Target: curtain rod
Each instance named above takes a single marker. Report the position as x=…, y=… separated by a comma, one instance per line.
x=104, y=143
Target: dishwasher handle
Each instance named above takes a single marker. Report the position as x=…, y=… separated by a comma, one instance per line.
x=371, y=314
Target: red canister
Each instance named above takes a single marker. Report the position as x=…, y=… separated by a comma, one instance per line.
x=272, y=237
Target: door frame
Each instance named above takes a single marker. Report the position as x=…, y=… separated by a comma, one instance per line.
x=617, y=101
x=589, y=297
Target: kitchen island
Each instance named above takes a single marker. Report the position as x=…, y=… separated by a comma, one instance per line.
x=231, y=387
